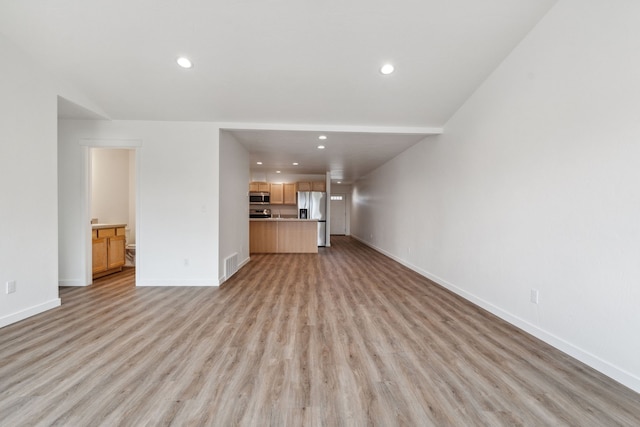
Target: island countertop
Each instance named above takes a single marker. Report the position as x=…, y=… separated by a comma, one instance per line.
x=284, y=219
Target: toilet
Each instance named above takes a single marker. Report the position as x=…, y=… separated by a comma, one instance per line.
x=130, y=255
x=129, y=250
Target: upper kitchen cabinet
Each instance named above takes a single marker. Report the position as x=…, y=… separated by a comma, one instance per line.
x=258, y=187
x=318, y=186
x=283, y=194
x=276, y=194
x=290, y=196
x=312, y=186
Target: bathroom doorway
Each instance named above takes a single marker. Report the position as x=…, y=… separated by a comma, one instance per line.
x=112, y=198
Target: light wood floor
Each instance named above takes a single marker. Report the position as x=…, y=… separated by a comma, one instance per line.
x=343, y=338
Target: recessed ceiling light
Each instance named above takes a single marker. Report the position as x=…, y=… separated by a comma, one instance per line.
x=258, y=163
x=184, y=62
x=387, y=69
x=277, y=171
x=295, y=163
x=339, y=182
x=323, y=137
x=320, y=147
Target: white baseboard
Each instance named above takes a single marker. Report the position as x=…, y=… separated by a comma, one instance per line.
x=28, y=312
x=69, y=282
x=614, y=372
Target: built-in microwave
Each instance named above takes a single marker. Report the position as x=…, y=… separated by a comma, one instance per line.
x=259, y=198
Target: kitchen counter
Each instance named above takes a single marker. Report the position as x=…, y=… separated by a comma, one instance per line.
x=284, y=219
x=283, y=235
x=102, y=226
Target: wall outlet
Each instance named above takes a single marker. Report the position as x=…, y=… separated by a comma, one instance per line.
x=11, y=286
x=535, y=295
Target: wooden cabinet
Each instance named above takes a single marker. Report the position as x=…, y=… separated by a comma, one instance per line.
x=276, y=194
x=290, y=195
x=312, y=186
x=258, y=187
x=108, y=250
x=304, y=186
x=283, y=194
x=283, y=236
x=99, y=253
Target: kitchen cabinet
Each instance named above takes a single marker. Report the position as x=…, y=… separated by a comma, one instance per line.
x=258, y=187
x=304, y=186
x=108, y=249
x=276, y=194
x=283, y=194
x=312, y=186
x=290, y=195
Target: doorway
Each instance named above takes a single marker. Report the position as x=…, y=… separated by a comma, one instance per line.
x=338, y=214
x=112, y=184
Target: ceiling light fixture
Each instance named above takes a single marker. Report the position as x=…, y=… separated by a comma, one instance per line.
x=322, y=137
x=277, y=171
x=258, y=163
x=387, y=69
x=295, y=163
x=184, y=62
x=321, y=147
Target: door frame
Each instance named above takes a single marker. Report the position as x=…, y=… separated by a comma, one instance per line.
x=87, y=145
x=346, y=211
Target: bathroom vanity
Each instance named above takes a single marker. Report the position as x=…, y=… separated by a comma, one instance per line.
x=108, y=248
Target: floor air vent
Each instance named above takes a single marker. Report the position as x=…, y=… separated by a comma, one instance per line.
x=230, y=265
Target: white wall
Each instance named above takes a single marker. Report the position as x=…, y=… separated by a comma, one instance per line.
x=28, y=197
x=178, y=199
x=110, y=185
x=234, y=201
x=534, y=185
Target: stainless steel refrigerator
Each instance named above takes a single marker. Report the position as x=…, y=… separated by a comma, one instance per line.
x=313, y=205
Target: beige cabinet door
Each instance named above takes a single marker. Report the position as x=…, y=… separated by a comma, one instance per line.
x=116, y=252
x=99, y=255
x=304, y=186
x=276, y=195
x=318, y=186
x=290, y=194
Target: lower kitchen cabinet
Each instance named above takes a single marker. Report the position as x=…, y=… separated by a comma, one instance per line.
x=108, y=249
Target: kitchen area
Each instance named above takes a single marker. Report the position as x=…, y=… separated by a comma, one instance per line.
x=288, y=217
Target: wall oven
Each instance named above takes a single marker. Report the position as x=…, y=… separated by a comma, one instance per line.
x=259, y=198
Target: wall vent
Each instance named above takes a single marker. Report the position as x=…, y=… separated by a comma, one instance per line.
x=230, y=265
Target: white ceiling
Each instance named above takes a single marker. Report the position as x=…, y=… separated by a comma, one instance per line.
x=273, y=61
x=347, y=155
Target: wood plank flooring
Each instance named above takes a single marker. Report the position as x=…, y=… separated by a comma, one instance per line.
x=343, y=338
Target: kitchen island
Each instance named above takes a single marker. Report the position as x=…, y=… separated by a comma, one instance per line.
x=283, y=235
